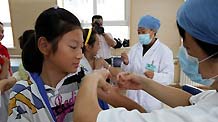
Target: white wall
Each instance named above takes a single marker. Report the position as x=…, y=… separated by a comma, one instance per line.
x=165, y=11
x=23, y=17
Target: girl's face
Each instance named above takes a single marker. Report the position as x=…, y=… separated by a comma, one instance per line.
x=69, y=52
x=1, y=32
x=93, y=49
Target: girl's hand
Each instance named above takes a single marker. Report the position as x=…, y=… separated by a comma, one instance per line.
x=100, y=63
x=102, y=75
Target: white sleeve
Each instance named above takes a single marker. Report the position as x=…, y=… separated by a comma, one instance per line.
x=110, y=35
x=119, y=115
x=202, y=96
x=178, y=114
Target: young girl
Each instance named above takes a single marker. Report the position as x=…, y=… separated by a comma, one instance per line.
x=90, y=62
x=51, y=57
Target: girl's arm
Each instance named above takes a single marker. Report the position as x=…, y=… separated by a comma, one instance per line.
x=116, y=99
x=87, y=98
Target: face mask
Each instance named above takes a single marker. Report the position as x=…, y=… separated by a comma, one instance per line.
x=190, y=66
x=144, y=39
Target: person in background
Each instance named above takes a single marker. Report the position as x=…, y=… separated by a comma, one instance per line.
x=7, y=83
x=5, y=72
x=106, y=39
x=26, y=37
x=90, y=62
x=24, y=40
x=198, y=57
x=4, y=93
x=149, y=57
x=4, y=67
x=4, y=53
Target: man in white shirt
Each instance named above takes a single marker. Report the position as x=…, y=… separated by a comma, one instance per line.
x=106, y=39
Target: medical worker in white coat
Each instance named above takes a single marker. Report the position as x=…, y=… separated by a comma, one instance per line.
x=197, y=23
x=149, y=57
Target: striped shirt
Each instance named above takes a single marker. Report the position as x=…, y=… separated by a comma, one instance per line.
x=26, y=103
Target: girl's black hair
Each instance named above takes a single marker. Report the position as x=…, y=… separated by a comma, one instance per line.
x=209, y=49
x=1, y=23
x=91, y=40
x=26, y=37
x=51, y=24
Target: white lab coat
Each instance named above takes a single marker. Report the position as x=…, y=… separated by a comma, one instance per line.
x=160, y=56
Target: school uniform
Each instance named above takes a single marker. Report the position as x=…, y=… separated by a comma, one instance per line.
x=28, y=104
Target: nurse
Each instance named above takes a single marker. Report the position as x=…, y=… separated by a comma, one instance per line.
x=151, y=58
x=197, y=21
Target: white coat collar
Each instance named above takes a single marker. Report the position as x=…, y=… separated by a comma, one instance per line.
x=153, y=47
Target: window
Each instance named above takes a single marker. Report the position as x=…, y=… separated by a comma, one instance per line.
x=6, y=20
x=115, y=14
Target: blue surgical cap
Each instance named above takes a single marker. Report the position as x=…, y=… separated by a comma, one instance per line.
x=200, y=19
x=149, y=22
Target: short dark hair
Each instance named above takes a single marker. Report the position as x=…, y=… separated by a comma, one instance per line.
x=1, y=23
x=96, y=17
x=209, y=49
